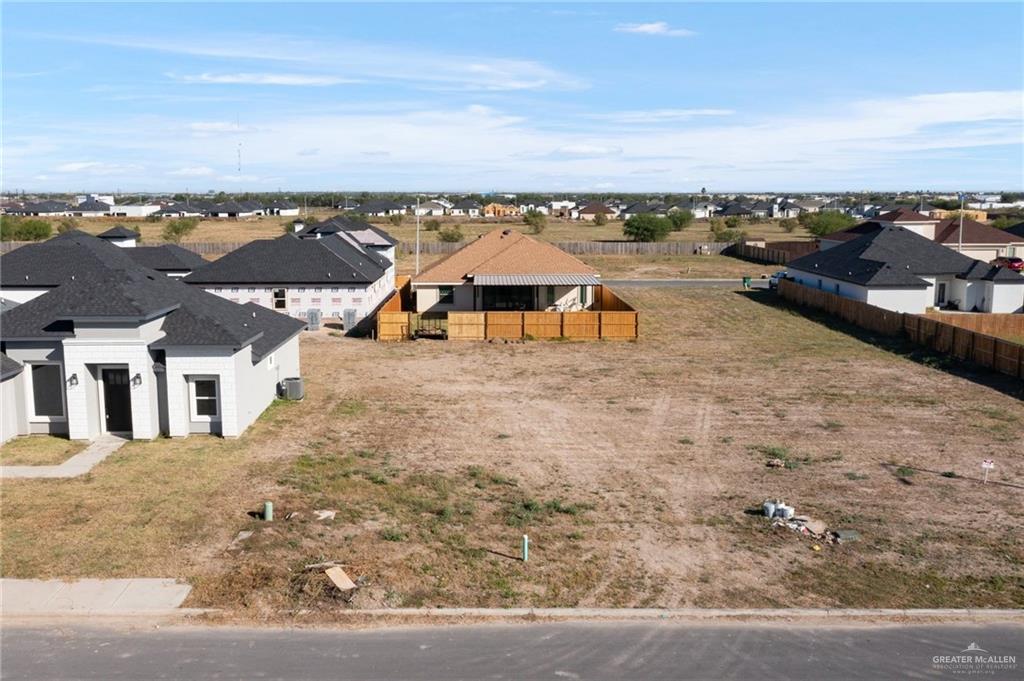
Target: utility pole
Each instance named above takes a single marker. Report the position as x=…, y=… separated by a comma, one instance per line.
x=417, y=236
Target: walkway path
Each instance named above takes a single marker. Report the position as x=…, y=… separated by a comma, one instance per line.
x=90, y=596
x=79, y=464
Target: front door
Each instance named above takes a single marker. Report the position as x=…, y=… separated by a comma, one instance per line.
x=117, y=401
x=941, y=299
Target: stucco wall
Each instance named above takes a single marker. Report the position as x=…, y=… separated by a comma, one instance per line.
x=257, y=384
x=427, y=296
x=26, y=353
x=193, y=361
x=12, y=407
x=846, y=289
x=1005, y=297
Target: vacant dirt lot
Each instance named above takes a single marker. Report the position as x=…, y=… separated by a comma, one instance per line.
x=631, y=466
x=247, y=229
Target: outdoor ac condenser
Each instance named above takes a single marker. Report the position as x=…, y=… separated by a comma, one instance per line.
x=292, y=389
x=313, y=319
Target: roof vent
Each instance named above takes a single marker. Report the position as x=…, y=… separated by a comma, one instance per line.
x=506, y=232
x=254, y=315
x=328, y=275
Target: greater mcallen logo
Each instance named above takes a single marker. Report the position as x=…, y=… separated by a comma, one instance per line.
x=975, y=660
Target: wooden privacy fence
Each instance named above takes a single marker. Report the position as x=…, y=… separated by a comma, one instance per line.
x=777, y=253
x=612, y=319
x=1006, y=326
x=589, y=247
x=944, y=333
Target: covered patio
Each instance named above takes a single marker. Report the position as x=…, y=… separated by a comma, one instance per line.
x=533, y=292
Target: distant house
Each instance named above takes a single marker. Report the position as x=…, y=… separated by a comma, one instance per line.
x=334, y=274
x=430, y=209
x=370, y=237
x=655, y=208
x=506, y=270
x=704, y=210
x=734, y=209
x=380, y=209
x=133, y=210
x=593, y=209
x=281, y=207
x=119, y=235
x=976, y=240
x=761, y=209
x=111, y=346
x=47, y=207
x=500, y=208
x=810, y=205
x=784, y=210
x=466, y=208
x=897, y=269
x=91, y=208
x=561, y=207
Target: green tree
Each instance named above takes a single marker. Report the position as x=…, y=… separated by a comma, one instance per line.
x=1004, y=221
x=536, y=220
x=432, y=225
x=826, y=222
x=647, y=227
x=450, y=235
x=680, y=219
x=176, y=230
x=600, y=219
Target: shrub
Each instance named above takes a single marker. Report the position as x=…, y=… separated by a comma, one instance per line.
x=66, y=225
x=825, y=222
x=396, y=220
x=789, y=225
x=734, y=222
x=176, y=230
x=536, y=220
x=450, y=235
x=680, y=219
x=432, y=225
x=600, y=219
x=21, y=229
x=646, y=227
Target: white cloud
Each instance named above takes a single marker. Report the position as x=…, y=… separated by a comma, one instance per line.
x=655, y=28
x=659, y=115
x=587, y=150
x=422, y=68
x=293, y=79
x=192, y=171
x=95, y=168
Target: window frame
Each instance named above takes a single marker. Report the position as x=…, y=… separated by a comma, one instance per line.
x=30, y=397
x=192, y=398
x=445, y=295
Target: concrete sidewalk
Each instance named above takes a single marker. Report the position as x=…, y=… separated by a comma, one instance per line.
x=91, y=596
x=79, y=464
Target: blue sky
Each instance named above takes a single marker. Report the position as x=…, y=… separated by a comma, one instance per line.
x=551, y=97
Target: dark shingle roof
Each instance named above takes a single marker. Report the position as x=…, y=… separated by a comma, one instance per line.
x=1016, y=230
x=343, y=223
x=63, y=258
x=332, y=260
x=9, y=368
x=466, y=204
x=114, y=286
x=92, y=205
x=119, y=232
x=888, y=255
x=166, y=258
x=734, y=209
x=378, y=207
x=903, y=214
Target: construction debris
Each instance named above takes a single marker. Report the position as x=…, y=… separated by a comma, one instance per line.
x=846, y=536
x=775, y=463
x=293, y=514
x=783, y=515
x=325, y=514
x=340, y=579
x=236, y=543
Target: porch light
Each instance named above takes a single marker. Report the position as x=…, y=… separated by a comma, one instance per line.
x=137, y=380
x=72, y=380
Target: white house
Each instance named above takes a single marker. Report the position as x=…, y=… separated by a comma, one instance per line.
x=91, y=208
x=466, y=208
x=380, y=209
x=133, y=210
x=116, y=347
x=898, y=269
x=334, y=273
x=430, y=209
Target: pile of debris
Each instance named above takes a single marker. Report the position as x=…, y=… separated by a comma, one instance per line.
x=783, y=515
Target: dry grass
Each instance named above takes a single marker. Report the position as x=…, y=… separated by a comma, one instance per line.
x=247, y=229
x=631, y=466
x=38, y=450
x=676, y=267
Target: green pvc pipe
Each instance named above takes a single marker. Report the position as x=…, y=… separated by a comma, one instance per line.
x=268, y=510
x=526, y=548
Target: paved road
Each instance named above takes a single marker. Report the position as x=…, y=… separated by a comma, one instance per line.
x=685, y=283
x=538, y=651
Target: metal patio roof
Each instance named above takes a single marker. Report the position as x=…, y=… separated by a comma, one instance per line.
x=535, y=280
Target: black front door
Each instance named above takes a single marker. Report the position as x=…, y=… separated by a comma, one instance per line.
x=117, y=401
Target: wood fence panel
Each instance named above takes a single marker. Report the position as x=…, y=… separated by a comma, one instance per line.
x=619, y=325
x=542, y=324
x=1002, y=325
x=393, y=326
x=605, y=300
x=1008, y=358
x=581, y=325
x=504, y=324
x=466, y=326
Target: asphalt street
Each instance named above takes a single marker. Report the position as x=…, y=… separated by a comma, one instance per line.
x=658, y=650
x=685, y=283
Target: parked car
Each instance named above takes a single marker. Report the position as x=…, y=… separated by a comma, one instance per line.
x=1015, y=264
x=773, y=281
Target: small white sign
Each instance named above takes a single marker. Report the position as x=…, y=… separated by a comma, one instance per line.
x=988, y=463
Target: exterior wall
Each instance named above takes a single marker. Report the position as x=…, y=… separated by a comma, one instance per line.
x=22, y=295
x=428, y=294
x=193, y=361
x=332, y=301
x=1002, y=297
x=28, y=353
x=981, y=252
x=257, y=384
x=12, y=407
x=846, y=289
x=901, y=300
x=133, y=211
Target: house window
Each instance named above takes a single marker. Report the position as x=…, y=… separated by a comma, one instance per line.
x=203, y=398
x=279, y=299
x=234, y=290
x=550, y=296
x=47, y=391
x=317, y=290
x=252, y=290
x=583, y=296
x=446, y=295
x=335, y=301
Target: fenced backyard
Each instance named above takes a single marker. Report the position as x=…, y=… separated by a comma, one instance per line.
x=775, y=253
x=611, y=319
x=970, y=337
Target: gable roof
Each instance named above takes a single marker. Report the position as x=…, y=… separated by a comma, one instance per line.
x=378, y=207
x=903, y=214
x=121, y=289
x=466, y=204
x=61, y=259
x=9, y=368
x=333, y=260
x=118, y=232
x=948, y=232
x=503, y=252
x=343, y=223
x=596, y=207
x=166, y=258
x=734, y=208
x=92, y=205
x=889, y=256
